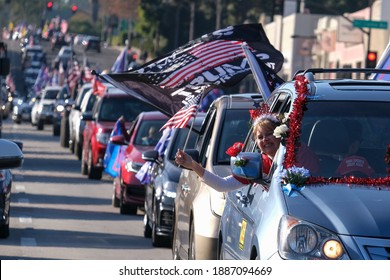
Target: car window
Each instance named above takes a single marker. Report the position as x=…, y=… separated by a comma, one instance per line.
x=149, y=133
x=112, y=108
x=351, y=130
x=180, y=139
x=51, y=94
x=235, y=128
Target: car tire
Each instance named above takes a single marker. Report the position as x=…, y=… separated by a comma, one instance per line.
x=157, y=240
x=56, y=130
x=71, y=144
x=40, y=125
x=147, y=228
x=4, y=231
x=64, y=132
x=84, y=166
x=93, y=172
x=115, y=200
x=78, y=149
x=125, y=209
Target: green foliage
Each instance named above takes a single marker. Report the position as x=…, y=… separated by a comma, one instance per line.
x=84, y=27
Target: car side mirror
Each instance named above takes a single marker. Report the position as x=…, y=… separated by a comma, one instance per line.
x=151, y=155
x=118, y=140
x=247, y=165
x=11, y=155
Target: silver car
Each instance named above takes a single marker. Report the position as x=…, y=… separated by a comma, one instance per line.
x=198, y=207
x=340, y=212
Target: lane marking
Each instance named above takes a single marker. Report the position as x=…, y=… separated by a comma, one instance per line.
x=20, y=188
x=25, y=220
x=28, y=241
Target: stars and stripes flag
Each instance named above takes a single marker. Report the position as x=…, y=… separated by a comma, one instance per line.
x=183, y=116
x=214, y=60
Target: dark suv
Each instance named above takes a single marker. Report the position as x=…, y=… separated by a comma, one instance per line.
x=338, y=212
x=99, y=124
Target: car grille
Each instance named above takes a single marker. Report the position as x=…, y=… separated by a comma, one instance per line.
x=374, y=248
x=166, y=218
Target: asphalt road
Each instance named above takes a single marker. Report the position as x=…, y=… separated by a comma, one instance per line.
x=57, y=213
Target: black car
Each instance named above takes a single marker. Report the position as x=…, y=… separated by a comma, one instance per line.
x=161, y=191
x=92, y=43
x=11, y=156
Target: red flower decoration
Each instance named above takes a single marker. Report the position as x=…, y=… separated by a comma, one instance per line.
x=234, y=150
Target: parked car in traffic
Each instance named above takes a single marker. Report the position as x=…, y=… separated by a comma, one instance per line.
x=198, y=207
x=11, y=156
x=92, y=43
x=21, y=110
x=63, y=100
x=84, y=102
x=42, y=110
x=164, y=175
x=129, y=193
x=336, y=213
x=107, y=109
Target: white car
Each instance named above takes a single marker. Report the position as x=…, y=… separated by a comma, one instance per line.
x=42, y=111
x=76, y=124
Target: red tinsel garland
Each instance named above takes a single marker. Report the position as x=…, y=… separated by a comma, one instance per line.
x=292, y=143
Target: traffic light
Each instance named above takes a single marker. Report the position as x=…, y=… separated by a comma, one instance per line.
x=371, y=59
x=74, y=8
x=49, y=5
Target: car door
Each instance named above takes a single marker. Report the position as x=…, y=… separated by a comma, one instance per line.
x=187, y=186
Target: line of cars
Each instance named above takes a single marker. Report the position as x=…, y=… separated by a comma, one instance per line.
x=261, y=220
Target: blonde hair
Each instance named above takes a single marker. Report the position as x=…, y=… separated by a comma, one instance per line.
x=268, y=121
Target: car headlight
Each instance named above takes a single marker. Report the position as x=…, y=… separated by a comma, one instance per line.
x=102, y=137
x=60, y=108
x=301, y=240
x=132, y=166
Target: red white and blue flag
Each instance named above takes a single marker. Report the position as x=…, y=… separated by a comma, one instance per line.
x=214, y=60
x=183, y=116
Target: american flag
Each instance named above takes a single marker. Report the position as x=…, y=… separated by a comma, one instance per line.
x=183, y=116
x=213, y=60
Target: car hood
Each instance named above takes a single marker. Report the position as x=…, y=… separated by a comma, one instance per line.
x=349, y=210
x=134, y=152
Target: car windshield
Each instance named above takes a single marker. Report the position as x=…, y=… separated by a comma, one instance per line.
x=235, y=128
x=148, y=133
x=51, y=93
x=112, y=108
x=350, y=139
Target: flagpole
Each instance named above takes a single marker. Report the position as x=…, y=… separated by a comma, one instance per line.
x=192, y=124
x=256, y=71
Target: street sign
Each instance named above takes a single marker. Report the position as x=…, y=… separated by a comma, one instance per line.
x=370, y=24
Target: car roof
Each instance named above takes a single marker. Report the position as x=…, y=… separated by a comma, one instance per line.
x=152, y=115
x=237, y=101
x=345, y=89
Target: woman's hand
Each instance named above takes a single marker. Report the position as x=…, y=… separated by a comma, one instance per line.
x=183, y=159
